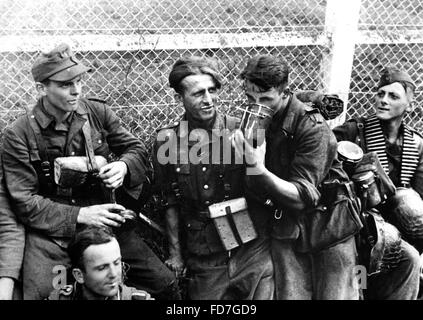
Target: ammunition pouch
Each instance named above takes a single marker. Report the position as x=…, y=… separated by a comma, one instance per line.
x=233, y=222
x=333, y=221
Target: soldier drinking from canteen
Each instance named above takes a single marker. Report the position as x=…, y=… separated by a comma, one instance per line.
x=302, y=185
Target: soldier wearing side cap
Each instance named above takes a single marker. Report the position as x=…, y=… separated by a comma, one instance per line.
x=399, y=150
x=210, y=250
x=64, y=124
x=97, y=268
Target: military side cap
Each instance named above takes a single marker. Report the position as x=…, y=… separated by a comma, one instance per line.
x=59, y=65
x=185, y=67
x=392, y=74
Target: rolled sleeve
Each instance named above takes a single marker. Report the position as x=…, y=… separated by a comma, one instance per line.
x=33, y=210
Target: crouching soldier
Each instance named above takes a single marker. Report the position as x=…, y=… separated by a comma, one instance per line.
x=97, y=269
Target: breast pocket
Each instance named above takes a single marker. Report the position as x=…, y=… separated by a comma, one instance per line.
x=186, y=183
x=236, y=178
x=100, y=143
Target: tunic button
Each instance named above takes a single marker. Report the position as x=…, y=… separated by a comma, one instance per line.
x=73, y=201
x=72, y=153
x=206, y=186
x=178, y=169
x=220, y=176
x=204, y=168
x=207, y=202
x=99, y=141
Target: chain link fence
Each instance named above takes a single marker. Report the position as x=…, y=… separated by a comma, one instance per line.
x=393, y=28
x=132, y=45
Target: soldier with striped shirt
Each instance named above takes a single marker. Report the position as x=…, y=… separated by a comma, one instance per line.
x=400, y=151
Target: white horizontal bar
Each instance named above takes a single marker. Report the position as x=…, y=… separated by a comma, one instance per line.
x=159, y=41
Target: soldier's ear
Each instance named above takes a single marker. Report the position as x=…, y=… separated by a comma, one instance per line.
x=41, y=89
x=178, y=97
x=78, y=275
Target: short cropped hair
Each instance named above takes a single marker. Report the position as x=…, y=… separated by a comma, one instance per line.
x=85, y=237
x=188, y=66
x=266, y=72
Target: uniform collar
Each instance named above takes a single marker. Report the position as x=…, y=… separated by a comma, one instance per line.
x=44, y=118
x=79, y=296
x=185, y=128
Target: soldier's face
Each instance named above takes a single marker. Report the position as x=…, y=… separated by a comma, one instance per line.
x=271, y=98
x=199, y=96
x=63, y=95
x=103, y=269
x=392, y=101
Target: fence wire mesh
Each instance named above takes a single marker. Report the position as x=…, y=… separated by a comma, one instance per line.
x=134, y=80
x=393, y=25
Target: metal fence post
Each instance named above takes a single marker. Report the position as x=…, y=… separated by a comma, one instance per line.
x=341, y=25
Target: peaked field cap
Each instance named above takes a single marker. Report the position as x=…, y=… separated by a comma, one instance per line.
x=59, y=64
x=188, y=66
x=392, y=74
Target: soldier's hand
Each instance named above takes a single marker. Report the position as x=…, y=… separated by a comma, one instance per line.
x=102, y=215
x=142, y=295
x=113, y=174
x=254, y=157
x=177, y=265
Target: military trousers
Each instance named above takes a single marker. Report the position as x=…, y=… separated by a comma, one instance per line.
x=245, y=273
x=326, y=275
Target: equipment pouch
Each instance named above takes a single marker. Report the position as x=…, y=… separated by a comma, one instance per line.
x=385, y=186
x=73, y=171
x=331, y=222
x=233, y=222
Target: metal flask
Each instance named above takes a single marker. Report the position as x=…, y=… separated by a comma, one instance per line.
x=255, y=120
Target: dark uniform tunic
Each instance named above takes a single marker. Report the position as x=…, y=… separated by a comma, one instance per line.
x=50, y=213
x=215, y=272
x=301, y=149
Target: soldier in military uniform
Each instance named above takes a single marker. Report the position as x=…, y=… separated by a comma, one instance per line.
x=299, y=159
x=63, y=124
x=12, y=243
x=193, y=175
x=399, y=149
x=97, y=269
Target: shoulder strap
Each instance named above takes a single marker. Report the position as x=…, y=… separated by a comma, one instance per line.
x=360, y=138
x=409, y=158
x=45, y=163
x=86, y=130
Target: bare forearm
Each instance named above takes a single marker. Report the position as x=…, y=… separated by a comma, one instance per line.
x=172, y=229
x=283, y=192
